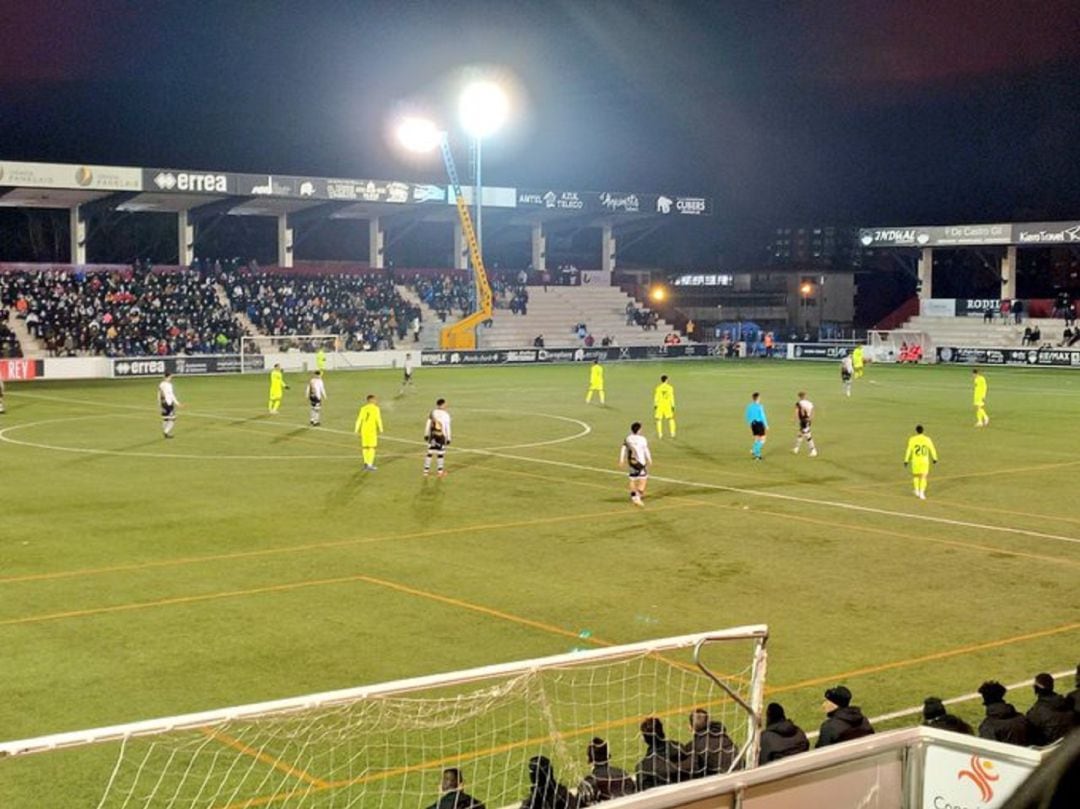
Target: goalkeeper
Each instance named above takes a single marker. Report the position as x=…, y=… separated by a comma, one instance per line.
x=368, y=426
x=277, y=388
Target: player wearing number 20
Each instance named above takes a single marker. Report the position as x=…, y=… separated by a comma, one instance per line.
x=920, y=453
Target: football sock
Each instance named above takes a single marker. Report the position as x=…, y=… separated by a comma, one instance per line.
x=369, y=456
x=601, y=397
x=757, y=448
x=671, y=427
x=427, y=463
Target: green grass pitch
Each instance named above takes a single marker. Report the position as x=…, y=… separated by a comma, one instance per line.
x=251, y=558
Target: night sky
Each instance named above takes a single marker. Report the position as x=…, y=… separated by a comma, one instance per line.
x=799, y=112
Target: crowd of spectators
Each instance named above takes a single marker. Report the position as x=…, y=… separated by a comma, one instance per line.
x=446, y=294
x=647, y=319
x=711, y=751
x=365, y=311
x=9, y=343
x=135, y=312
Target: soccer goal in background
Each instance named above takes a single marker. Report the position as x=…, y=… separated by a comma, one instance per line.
x=899, y=345
x=386, y=745
x=263, y=346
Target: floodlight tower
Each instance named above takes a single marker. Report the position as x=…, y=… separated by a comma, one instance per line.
x=482, y=109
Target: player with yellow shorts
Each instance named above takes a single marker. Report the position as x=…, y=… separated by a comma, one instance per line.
x=664, y=407
x=982, y=419
x=920, y=453
x=368, y=426
x=857, y=361
x=596, y=382
x=277, y=388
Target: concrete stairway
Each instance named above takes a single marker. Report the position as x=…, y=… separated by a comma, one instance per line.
x=32, y=348
x=239, y=317
x=555, y=313
x=429, y=334
x=973, y=332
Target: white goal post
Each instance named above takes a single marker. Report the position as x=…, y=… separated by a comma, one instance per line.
x=900, y=345
x=386, y=745
x=266, y=344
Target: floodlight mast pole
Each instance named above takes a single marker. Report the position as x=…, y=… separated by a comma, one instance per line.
x=479, y=190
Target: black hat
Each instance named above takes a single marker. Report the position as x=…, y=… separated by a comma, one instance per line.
x=992, y=691
x=932, y=708
x=839, y=696
x=774, y=713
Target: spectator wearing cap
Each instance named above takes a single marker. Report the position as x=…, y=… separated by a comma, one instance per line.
x=1003, y=723
x=781, y=737
x=1052, y=716
x=454, y=795
x=663, y=762
x=935, y=716
x=604, y=781
x=843, y=721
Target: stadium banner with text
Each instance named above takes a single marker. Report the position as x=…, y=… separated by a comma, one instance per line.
x=937, y=236
x=20, y=370
x=937, y=307
x=977, y=307
x=1033, y=357
x=185, y=366
x=505, y=356
x=66, y=175
x=816, y=351
x=1047, y=233
x=612, y=202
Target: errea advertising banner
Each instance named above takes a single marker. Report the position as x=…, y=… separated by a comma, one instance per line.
x=955, y=779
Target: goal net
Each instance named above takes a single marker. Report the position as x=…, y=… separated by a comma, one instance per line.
x=290, y=349
x=387, y=745
x=901, y=346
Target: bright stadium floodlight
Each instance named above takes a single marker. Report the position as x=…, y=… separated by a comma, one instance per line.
x=483, y=108
x=418, y=134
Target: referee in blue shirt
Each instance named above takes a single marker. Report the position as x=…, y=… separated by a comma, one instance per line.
x=759, y=425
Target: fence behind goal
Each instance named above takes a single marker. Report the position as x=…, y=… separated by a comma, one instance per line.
x=386, y=745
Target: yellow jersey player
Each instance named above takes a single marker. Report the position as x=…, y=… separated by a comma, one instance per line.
x=664, y=407
x=857, y=361
x=320, y=360
x=920, y=453
x=368, y=426
x=979, y=398
x=277, y=388
x=596, y=382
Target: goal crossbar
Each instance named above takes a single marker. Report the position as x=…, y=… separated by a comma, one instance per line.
x=112, y=733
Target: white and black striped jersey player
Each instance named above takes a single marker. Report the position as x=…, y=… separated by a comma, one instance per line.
x=804, y=415
x=437, y=435
x=316, y=393
x=168, y=402
x=635, y=455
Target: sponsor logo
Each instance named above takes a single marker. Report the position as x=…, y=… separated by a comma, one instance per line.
x=307, y=188
x=867, y=239
x=397, y=192
x=624, y=353
x=695, y=206
x=429, y=193
x=20, y=369
x=521, y=356
x=273, y=188
x=564, y=200
x=663, y=204
x=1043, y=236
x=186, y=181
x=981, y=773
x=367, y=191
x=549, y=199
x=529, y=198
x=621, y=202
x=138, y=367
x=84, y=176
x=983, y=304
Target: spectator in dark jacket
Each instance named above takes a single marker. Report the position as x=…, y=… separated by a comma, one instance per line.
x=453, y=793
x=664, y=762
x=1051, y=717
x=844, y=721
x=1074, y=696
x=710, y=750
x=781, y=737
x=604, y=782
x=935, y=716
x=546, y=792
x=1002, y=723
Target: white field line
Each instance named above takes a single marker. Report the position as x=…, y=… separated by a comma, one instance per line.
x=885, y=717
x=851, y=507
